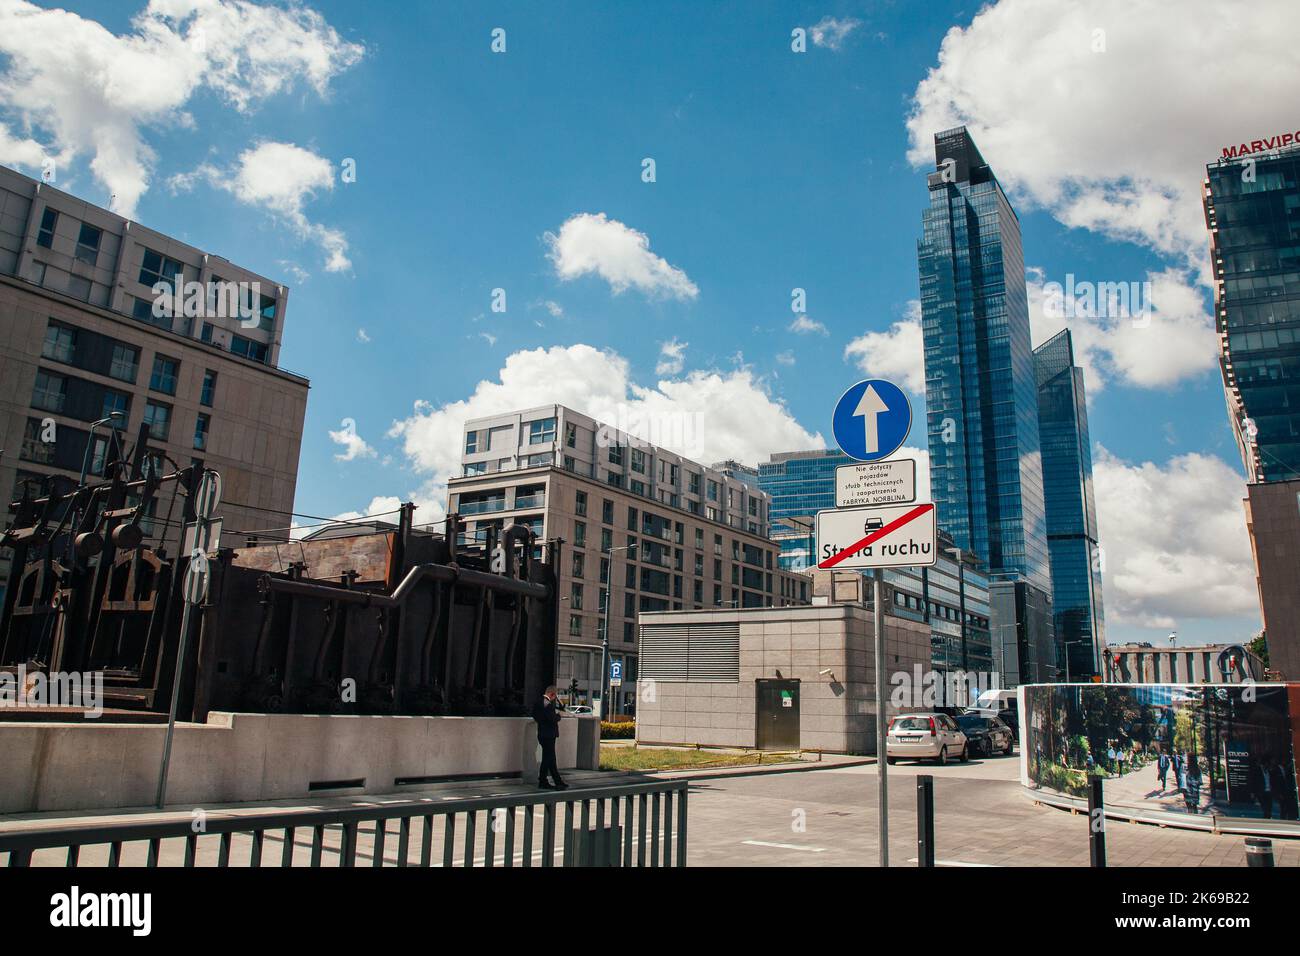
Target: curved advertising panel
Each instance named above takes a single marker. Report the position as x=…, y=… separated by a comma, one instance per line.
x=1204, y=755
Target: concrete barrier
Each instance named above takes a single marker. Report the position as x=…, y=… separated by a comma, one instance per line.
x=255, y=757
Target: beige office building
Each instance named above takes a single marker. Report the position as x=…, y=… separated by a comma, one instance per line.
x=80, y=339
x=644, y=529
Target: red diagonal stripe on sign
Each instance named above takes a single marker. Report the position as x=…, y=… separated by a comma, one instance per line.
x=877, y=535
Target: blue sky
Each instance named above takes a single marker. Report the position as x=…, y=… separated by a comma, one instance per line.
x=774, y=170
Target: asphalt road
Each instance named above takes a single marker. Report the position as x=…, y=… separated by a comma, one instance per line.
x=982, y=818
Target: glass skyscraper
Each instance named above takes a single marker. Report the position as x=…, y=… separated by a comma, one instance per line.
x=981, y=398
x=1252, y=207
x=1071, y=508
x=801, y=483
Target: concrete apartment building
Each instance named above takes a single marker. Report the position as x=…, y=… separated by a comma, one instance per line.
x=644, y=529
x=79, y=339
x=773, y=678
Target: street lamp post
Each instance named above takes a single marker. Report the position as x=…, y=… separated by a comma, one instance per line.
x=604, y=635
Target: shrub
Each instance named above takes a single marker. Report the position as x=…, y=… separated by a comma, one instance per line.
x=623, y=730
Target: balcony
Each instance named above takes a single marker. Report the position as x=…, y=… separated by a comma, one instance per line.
x=535, y=500
x=485, y=506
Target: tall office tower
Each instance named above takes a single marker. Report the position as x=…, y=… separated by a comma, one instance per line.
x=1071, y=508
x=1252, y=209
x=82, y=350
x=982, y=405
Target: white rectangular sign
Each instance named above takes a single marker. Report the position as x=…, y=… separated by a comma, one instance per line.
x=902, y=537
x=889, y=482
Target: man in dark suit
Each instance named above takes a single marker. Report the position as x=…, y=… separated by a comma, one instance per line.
x=547, y=714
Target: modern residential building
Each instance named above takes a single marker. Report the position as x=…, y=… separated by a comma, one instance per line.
x=981, y=399
x=80, y=342
x=644, y=529
x=1252, y=210
x=1078, y=620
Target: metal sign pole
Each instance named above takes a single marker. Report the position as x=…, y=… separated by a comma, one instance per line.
x=202, y=535
x=882, y=759
x=171, y=717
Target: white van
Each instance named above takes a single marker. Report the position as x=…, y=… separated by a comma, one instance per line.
x=996, y=700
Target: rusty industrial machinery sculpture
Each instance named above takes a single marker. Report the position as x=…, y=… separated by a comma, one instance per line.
x=385, y=621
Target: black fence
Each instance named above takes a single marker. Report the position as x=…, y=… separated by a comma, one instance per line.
x=631, y=825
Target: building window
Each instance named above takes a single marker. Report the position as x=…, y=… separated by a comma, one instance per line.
x=575, y=596
x=34, y=447
x=580, y=503
x=125, y=363
x=616, y=455
x=606, y=540
x=575, y=625
x=471, y=443
x=99, y=456
x=201, y=431
x=713, y=491
x=571, y=435
x=45, y=237
x=541, y=431
x=256, y=351
x=638, y=460
x=209, y=388
x=88, y=244
x=163, y=377
x=60, y=343
x=579, y=534
x=579, y=564
x=156, y=268
x=159, y=419
x=115, y=401
x=50, y=392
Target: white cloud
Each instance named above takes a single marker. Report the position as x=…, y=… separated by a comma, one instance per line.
x=1174, y=541
x=280, y=178
x=831, y=32
x=672, y=357
x=354, y=446
x=93, y=92
x=20, y=152
x=897, y=354
x=363, y=336
x=553, y=307
x=806, y=326
x=785, y=358
x=1168, y=340
x=488, y=337
x=1114, y=141
x=706, y=415
x=595, y=244
x=299, y=274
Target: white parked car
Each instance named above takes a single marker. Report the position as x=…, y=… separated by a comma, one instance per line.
x=578, y=710
x=925, y=737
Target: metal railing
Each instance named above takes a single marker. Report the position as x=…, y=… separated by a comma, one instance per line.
x=628, y=825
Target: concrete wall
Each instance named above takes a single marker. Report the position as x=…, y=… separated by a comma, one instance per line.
x=256, y=757
x=836, y=711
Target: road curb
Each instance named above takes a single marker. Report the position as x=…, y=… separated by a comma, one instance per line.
x=756, y=771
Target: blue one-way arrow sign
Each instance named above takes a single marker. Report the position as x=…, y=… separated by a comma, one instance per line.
x=872, y=420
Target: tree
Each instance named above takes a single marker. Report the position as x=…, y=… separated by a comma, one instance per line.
x=1259, y=647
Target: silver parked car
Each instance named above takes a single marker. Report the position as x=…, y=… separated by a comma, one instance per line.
x=925, y=737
